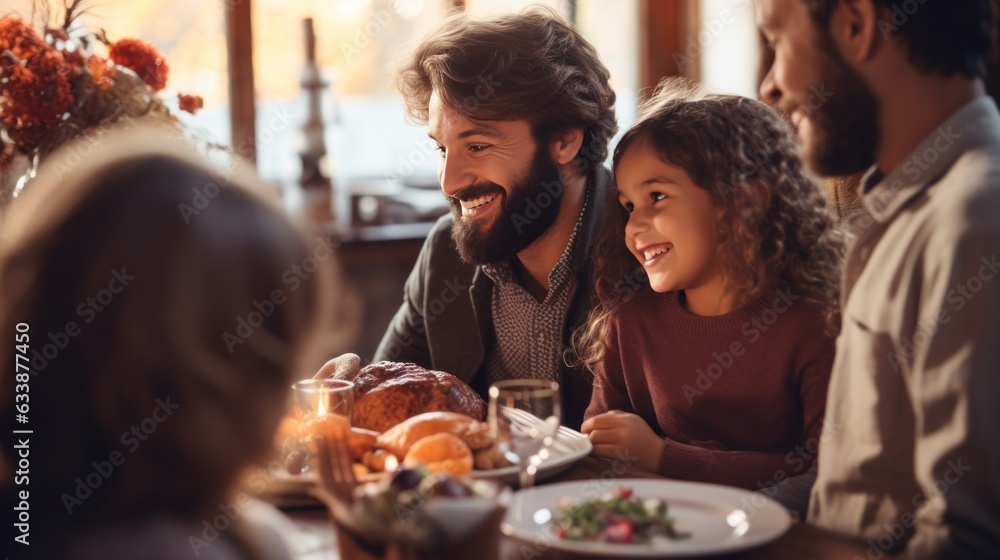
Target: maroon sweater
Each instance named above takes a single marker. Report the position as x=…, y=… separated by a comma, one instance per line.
x=738, y=398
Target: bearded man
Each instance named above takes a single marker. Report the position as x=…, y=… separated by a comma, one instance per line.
x=522, y=113
x=909, y=460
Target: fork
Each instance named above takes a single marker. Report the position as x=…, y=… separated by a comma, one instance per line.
x=332, y=461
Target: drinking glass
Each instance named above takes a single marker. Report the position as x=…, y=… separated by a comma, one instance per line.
x=524, y=416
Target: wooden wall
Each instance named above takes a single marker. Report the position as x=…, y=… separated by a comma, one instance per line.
x=668, y=40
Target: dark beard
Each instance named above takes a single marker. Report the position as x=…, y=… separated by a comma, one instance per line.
x=845, y=125
x=530, y=207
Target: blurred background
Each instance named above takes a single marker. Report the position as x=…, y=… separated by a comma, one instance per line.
x=337, y=118
x=358, y=46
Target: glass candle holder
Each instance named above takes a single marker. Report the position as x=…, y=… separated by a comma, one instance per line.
x=316, y=397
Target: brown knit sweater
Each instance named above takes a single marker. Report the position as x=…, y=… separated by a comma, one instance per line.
x=739, y=398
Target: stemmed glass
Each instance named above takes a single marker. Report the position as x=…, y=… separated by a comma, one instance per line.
x=524, y=416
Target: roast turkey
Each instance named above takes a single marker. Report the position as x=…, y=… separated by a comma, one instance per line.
x=387, y=393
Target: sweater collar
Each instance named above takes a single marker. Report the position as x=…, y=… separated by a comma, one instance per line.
x=759, y=309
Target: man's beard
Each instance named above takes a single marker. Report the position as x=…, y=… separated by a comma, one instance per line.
x=528, y=209
x=844, y=127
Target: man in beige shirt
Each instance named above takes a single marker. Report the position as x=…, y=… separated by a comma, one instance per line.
x=910, y=460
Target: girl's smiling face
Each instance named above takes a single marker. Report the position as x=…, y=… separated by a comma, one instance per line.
x=672, y=224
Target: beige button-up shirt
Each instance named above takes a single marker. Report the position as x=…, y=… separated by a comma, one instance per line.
x=910, y=456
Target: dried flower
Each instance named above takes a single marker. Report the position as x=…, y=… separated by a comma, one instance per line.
x=75, y=58
x=143, y=59
x=53, y=91
x=190, y=103
x=101, y=72
x=35, y=84
x=20, y=39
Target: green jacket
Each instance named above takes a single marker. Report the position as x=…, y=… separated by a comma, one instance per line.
x=446, y=323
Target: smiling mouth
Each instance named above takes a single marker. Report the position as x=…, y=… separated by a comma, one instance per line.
x=477, y=206
x=653, y=253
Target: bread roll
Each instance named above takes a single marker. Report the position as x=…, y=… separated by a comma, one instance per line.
x=398, y=439
x=441, y=453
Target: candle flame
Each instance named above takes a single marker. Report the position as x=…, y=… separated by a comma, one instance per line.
x=321, y=410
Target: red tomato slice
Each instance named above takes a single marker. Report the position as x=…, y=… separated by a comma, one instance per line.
x=619, y=532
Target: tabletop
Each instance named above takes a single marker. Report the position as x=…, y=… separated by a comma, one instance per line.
x=315, y=538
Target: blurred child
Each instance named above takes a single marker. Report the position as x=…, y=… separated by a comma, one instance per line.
x=715, y=370
x=132, y=272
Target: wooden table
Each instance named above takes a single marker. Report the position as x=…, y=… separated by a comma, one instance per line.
x=315, y=540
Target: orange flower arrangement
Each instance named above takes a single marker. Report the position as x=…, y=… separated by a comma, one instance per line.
x=52, y=88
x=143, y=59
x=35, y=88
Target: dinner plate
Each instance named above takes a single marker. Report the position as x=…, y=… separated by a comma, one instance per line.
x=718, y=519
x=568, y=447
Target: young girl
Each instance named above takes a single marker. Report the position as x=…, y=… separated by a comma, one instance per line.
x=717, y=369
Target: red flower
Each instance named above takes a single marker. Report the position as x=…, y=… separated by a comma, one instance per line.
x=20, y=38
x=40, y=83
x=190, y=103
x=35, y=84
x=143, y=59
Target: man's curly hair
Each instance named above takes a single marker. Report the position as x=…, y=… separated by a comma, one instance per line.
x=775, y=228
x=532, y=65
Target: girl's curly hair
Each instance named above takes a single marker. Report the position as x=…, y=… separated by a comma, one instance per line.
x=775, y=229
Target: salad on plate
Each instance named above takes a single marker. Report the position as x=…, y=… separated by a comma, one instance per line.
x=616, y=517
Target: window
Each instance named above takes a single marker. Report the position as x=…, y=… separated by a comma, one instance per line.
x=614, y=32
x=360, y=44
x=730, y=49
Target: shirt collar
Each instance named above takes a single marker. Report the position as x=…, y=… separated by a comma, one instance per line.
x=566, y=260
x=884, y=195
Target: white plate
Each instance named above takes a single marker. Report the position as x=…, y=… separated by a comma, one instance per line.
x=718, y=518
x=568, y=447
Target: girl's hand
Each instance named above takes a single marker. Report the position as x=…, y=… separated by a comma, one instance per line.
x=626, y=433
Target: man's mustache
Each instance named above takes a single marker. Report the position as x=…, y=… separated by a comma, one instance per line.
x=475, y=191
